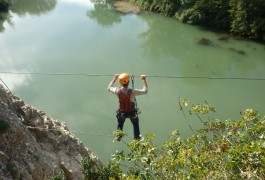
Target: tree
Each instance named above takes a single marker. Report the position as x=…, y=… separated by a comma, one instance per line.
x=248, y=18
x=230, y=149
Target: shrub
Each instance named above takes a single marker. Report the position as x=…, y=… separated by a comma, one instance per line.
x=248, y=18
x=12, y=168
x=59, y=176
x=165, y=7
x=229, y=149
x=4, y=126
x=212, y=14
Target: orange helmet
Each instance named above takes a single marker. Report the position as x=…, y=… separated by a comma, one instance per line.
x=124, y=78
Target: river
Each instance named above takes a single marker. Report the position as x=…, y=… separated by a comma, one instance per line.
x=56, y=46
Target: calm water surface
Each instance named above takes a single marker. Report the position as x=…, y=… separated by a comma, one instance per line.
x=78, y=36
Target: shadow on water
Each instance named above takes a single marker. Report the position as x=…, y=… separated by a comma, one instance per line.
x=104, y=14
x=23, y=7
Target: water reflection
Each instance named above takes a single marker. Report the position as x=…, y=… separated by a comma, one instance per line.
x=172, y=41
x=23, y=7
x=82, y=3
x=15, y=80
x=104, y=14
x=32, y=7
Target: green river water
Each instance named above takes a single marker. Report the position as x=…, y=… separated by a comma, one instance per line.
x=81, y=37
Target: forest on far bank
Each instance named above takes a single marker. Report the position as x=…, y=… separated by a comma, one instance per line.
x=242, y=18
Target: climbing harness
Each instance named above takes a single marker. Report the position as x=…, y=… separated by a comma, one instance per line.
x=125, y=101
x=138, y=111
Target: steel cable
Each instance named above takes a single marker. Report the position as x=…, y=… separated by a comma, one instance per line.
x=149, y=76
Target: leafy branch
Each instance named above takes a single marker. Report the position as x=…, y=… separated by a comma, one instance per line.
x=221, y=149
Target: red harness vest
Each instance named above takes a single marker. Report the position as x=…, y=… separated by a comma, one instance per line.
x=126, y=104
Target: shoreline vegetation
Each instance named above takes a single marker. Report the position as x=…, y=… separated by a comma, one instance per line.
x=239, y=18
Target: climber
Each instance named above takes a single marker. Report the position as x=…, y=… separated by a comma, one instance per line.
x=126, y=97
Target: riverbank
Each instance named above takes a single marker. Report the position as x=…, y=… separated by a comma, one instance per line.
x=35, y=146
x=126, y=7
x=237, y=18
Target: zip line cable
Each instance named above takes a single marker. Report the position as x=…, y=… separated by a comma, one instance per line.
x=132, y=79
x=55, y=129
x=149, y=76
x=55, y=74
x=110, y=75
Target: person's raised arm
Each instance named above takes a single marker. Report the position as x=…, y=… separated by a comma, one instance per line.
x=145, y=87
x=113, y=81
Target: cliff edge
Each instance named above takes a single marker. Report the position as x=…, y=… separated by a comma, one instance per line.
x=34, y=146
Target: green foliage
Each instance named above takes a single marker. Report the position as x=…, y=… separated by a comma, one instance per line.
x=118, y=135
x=248, y=18
x=4, y=126
x=91, y=171
x=207, y=13
x=165, y=7
x=59, y=176
x=4, y=5
x=12, y=168
x=201, y=109
x=230, y=149
x=242, y=17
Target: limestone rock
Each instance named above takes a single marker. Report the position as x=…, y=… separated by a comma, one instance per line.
x=35, y=146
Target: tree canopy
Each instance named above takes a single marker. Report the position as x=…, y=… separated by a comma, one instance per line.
x=239, y=17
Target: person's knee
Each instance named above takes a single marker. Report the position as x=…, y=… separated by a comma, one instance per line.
x=120, y=120
x=135, y=121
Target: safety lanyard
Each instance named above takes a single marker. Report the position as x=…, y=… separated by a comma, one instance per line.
x=132, y=79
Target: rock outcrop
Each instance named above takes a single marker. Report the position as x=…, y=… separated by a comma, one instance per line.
x=126, y=7
x=34, y=146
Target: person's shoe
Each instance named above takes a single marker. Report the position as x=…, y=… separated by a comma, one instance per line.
x=119, y=138
x=138, y=138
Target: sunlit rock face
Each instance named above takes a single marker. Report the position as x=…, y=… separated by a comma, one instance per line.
x=34, y=146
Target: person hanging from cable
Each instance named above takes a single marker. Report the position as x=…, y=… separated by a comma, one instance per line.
x=127, y=105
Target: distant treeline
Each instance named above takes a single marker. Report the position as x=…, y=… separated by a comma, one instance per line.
x=245, y=18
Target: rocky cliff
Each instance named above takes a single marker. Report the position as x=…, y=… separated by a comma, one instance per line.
x=34, y=146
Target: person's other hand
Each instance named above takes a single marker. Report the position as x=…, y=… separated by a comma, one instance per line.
x=143, y=77
x=116, y=76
